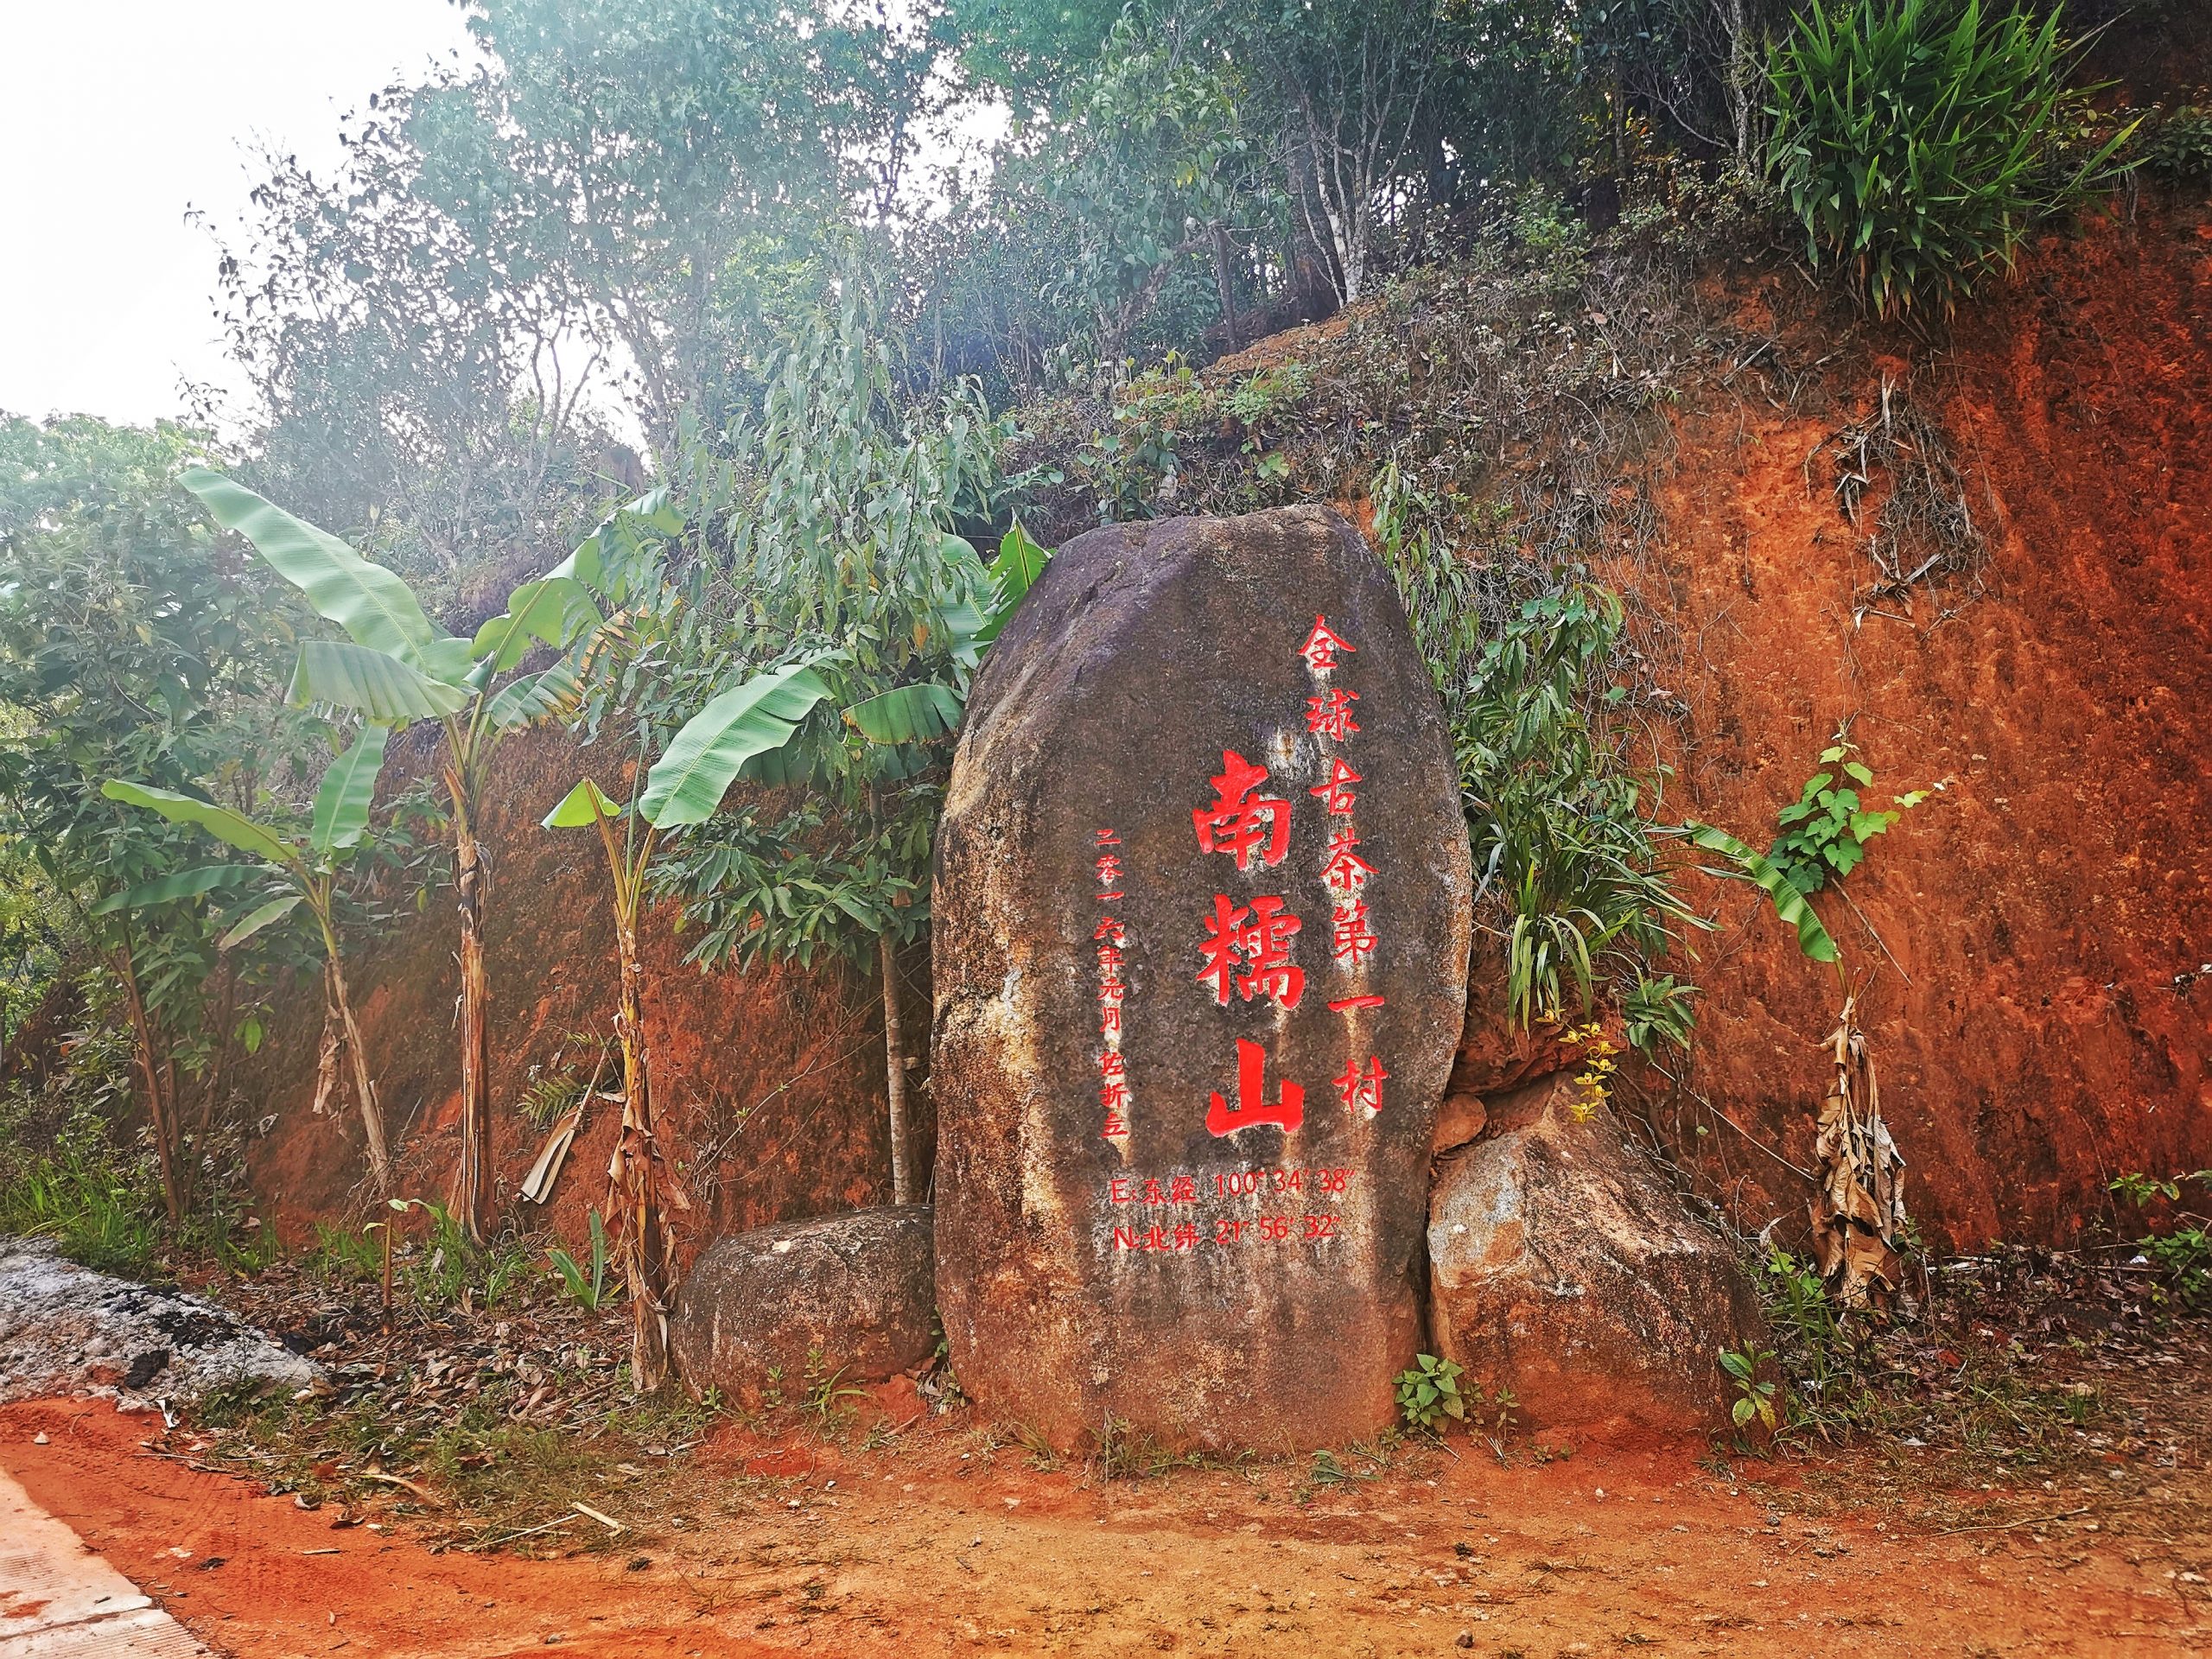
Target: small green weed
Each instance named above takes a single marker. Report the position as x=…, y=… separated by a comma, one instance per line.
x=1428, y=1392
x=1825, y=832
x=826, y=1389
x=1754, y=1394
x=587, y=1289
x=2178, y=142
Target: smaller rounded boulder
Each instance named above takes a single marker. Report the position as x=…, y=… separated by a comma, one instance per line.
x=850, y=1296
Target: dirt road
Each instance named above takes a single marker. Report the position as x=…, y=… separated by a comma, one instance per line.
x=940, y=1543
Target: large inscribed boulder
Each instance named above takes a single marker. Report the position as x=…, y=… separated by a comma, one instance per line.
x=1202, y=915
x=846, y=1295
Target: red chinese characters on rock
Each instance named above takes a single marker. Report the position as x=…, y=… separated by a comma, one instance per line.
x=1301, y=1193
x=1363, y=1090
x=1337, y=794
x=1248, y=949
x=1345, y=872
x=1110, y=937
x=1240, y=824
x=1286, y=1112
x=1322, y=645
x=1350, y=941
x=1329, y=715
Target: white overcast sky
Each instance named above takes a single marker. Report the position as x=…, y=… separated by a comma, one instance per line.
x=116, y=116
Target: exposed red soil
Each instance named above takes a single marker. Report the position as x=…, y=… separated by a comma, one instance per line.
x=2039, y=999
x=770, y=1083
x=937, y=1543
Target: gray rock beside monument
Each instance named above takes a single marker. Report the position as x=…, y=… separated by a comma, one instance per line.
x=848, y=1295
x=1564, y=1270
x=1202, y=917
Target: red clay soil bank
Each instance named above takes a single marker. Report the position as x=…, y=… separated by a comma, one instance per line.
x=770, y=1083
x=2043, y=1025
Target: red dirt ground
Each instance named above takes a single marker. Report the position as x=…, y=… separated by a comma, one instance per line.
x=813, y=1549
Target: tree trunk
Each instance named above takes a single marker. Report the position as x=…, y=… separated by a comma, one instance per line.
x=1228, y=289
x=648, y=1247
x=363, y=1087
x=154, y=1067
x=473, y=1199
x=215, y=1089
x=894, y=1059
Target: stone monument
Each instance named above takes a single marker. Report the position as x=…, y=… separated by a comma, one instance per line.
x=1202, y=916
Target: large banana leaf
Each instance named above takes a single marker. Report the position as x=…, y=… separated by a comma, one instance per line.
x=912, y=714
x=587, y=804
x=1019, y=564
x=375, y=607
x=552, y=609
x=182, y=884
x=552, y=693
x=337, y=675
x=341, y=804
x=1790, y=903
x=218, y=821
x=686, y=784
x=275, y=911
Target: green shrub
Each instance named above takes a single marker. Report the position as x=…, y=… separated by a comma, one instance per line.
x=2178, y=143
x=1554, y=810
x=1918, y=140
x=2182, y=1253
x=1428, y=1392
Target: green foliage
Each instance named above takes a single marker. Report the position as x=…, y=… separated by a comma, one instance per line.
x=1919, y=140
x=133, y=645
x=1657, y=1008
x=98, y=1205
x=823, y=1390
x=2182, y=1253
x=687, y=782
x=585, y=1283
x=1824, y=831
x=1553, y=807
x=2177, y=142
x=837, y=621
x=1428, y=1392
x=1754, y=1394
x=1789, y=899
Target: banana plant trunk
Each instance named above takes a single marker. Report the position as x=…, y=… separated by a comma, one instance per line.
x=635, y=1173
x=364, y=1088
x=895, y=1060
x=477, y=1153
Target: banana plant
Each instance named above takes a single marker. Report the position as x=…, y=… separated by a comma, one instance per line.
x=394, y=666
x=753, y=719
x=307, y=868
